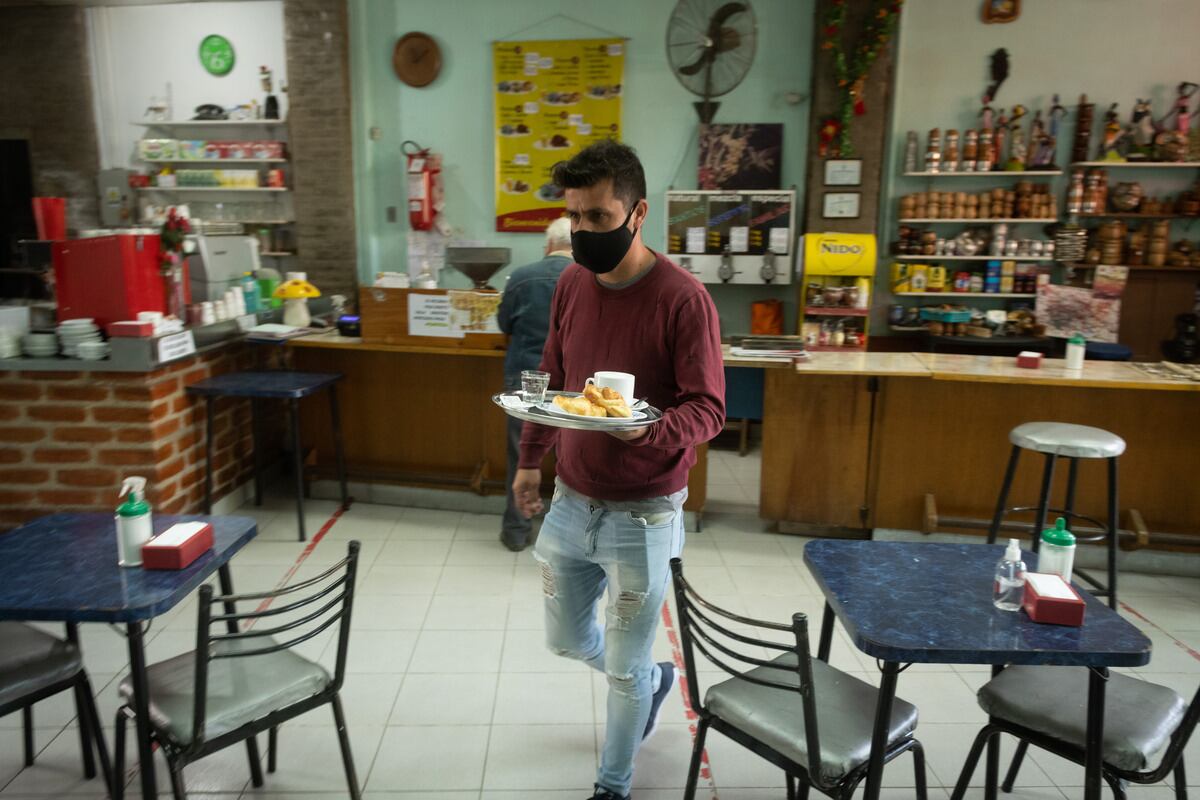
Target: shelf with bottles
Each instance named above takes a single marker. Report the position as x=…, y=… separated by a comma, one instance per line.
x=210, y=123
x=1089, y=196
x=1002, y=278
x=1137, y=164
x=1028, y=259
x=945, y=295
x=213, y=189
x=835, y=311
x=205, y=162
x=995, y=173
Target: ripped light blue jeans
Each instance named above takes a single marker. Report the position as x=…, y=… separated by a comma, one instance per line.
x=584, y=547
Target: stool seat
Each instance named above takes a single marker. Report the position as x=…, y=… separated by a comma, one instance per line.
x=1067, y=440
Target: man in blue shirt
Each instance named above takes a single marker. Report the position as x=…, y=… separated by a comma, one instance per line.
x=525, y=316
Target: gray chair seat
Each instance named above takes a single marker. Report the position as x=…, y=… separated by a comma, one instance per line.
x=845, y=715
x=1139, y=717
x=1065, y=439
x=31, y=660
x=240, y=690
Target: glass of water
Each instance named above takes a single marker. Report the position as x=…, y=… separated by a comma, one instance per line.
x=533, y=385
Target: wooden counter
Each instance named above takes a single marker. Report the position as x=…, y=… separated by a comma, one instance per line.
x=859, y=440
x=422, y=416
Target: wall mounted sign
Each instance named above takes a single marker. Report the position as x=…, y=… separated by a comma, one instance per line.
x=841, y=205
x=843, y=172
x=216, y=55
x=552, y=99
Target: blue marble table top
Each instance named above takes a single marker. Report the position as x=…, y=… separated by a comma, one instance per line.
x=64, y=568
x=931, y=603
x=275, y=383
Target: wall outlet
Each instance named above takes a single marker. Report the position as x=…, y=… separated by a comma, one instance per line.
x=391, y=213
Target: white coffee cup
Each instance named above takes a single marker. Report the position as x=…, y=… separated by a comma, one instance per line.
x=617, y=381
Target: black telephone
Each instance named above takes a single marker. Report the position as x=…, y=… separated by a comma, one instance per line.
x=210, y=111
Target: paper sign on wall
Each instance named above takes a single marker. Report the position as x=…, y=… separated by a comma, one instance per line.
x=429, y=315
x=177, y=345
x=552, y=99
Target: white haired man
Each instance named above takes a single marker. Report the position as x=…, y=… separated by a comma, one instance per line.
x=525, y=316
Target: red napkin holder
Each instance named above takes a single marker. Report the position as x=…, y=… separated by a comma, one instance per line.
x=1050, y=599
x=177, y=546
x=131, y=328
x=1029, y=359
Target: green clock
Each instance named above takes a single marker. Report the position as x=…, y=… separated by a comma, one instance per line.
x=216, y=54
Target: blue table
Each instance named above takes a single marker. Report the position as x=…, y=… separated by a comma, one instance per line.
x=928, y=603
x=272, y=385
x=63, y=568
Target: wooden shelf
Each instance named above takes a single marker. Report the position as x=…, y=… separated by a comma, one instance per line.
x=972, y=258
x=190, y=123
x=1049, y=173
x=988, y=221
x=277, y=253
x=210, y=189
x=1139, y=164
x=1132, y=215
x=1136, y=267
x=835, y=311
x=204, y=162
x=961, y=294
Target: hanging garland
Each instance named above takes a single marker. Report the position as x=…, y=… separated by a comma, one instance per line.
x=851, y=73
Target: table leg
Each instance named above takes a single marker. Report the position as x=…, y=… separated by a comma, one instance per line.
x=298, y=462
x=826, y=641
x=256, y=432
x=208, y=453
x=992, y=767
x=335, y=411
x=1093, y=754
x=879, y=735
x=141, y=709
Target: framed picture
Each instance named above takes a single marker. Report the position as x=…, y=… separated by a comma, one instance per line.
x=843, y=172
x=841, y=205
x=742, y=156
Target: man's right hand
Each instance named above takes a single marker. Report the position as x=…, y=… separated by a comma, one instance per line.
x=526, y=487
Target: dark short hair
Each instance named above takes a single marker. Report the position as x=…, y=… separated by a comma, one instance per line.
x=604, y=160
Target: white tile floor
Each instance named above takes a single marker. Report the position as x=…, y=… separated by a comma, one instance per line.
x=452, y=695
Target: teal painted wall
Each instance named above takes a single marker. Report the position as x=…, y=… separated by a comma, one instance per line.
x=1112, y=50
x=454, y=115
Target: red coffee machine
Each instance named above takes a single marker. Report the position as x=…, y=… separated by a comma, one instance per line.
x=110, y=278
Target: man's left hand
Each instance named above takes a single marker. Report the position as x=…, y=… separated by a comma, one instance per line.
x=629, y=436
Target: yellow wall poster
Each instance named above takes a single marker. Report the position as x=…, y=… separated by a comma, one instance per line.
x=553, y=98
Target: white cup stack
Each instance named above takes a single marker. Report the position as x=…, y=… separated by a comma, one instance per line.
x=10, y=343
x=74, y=332
x=39, y=345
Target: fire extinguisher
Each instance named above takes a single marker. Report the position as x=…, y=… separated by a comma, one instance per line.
x=424, y=176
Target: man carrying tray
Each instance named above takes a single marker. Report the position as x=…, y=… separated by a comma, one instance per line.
x=616, y=519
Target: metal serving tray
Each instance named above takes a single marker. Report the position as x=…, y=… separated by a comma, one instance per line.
x=534, y=414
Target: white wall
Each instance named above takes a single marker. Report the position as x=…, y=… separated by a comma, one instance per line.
x=137, y=50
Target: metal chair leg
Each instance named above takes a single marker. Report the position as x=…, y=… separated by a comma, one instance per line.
x=117, y=785
x=1180, y=780
x=802, y=793
x=689, y=792
x=347, y=756
x=178, y=788
x=1112, y=533
x=256, y=777
x=298, y=462
x=919, y=771
x=97, y=732
x=791, y=786
x=1039, y=522
x=85, y=731
x=1015, y=766
x=27, y=723
x=272, y=746
x=1117, y=785
x=1002, y=501
x=972, y=761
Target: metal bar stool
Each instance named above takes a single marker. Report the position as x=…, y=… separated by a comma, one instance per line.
x=279, y=385
x=1073, y=442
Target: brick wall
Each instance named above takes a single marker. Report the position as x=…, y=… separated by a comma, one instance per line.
x=320, y=141
x=46, y=97
x=67, y=438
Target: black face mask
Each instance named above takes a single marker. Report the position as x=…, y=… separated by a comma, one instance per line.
x=601, y=252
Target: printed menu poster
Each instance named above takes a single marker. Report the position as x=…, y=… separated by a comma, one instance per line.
x=553, y=98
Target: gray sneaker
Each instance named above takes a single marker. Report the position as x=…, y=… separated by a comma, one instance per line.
x=665, y=684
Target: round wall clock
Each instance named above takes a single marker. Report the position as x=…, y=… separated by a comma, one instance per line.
x=216, y=54
x=417, y=59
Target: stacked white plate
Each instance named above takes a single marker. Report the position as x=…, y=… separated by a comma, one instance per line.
x=74, y=332
x=39, y=345
x=10, y=343
x=92, y=351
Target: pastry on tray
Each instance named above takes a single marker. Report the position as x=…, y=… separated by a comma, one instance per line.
x=595, y=402
x=580, y=406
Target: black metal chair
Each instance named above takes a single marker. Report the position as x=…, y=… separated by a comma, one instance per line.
x=1048, y=707
x=240, y=683
x=774, y=708
x=35, y=665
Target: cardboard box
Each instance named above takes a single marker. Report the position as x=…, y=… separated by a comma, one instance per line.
x=1050, y=599
x=178, y=546
x=1029, y=359
x=132, y=328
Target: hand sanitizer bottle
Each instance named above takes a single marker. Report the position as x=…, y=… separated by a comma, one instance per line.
x=134, y=527
x=1008, y=591
x=1058, y=550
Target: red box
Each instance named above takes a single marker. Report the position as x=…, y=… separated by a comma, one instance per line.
x=110, y=278
x=1029, y=360
x=132, y=327
x=1050, y=599
x=177, y=546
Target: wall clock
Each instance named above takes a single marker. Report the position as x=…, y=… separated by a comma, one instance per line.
x=417, y=59
x=216, y=55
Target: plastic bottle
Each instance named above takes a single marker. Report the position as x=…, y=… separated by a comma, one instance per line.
x=134, y=526
x=268, y=279
x=1076, y=349
x=1008, y=592
x=250, y=293
x=1057, y=555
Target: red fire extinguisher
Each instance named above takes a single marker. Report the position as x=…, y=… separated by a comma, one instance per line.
x=424, y=177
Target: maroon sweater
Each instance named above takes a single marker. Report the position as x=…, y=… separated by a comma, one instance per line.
x=663, y=330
